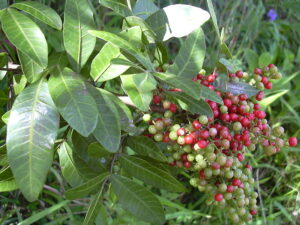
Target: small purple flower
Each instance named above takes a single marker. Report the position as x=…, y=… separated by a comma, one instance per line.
x=272, y=14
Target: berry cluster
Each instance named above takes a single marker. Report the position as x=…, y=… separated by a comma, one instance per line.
x=213, y=149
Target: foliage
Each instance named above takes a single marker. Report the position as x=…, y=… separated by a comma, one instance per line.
x=62, y=105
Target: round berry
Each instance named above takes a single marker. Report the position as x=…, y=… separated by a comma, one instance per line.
x=203, y=119
x=218, y=197
x=181, y=131
x=293, y=141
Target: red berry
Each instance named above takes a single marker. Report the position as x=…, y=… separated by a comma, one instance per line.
x=256, y=106
x=173, y=108
x=230, y=188
x=166, y=137
x=196, y=125
x=189, y=139
x=293, y=141
x=240, y=157
x=271, y=65
x=260, y=95
x=236, y=182
x=264, y=80
x=211, y=78
x=204, y=134
x=239, y=74
x=269, y=85
x=260, y=114
x=227, y=102
x=201, y=174
x=184, y=157
x=248, y=166
x=187, y=164
x=218, y=197
x=253, y=212
x=258, y=71
x=181, y=132
x=156, y=99
x=225, y=117
x=215, y=166
x=243, y=97
x=202, y=144
x=231, y=74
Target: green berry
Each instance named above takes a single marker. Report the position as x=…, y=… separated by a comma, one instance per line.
x=152, y=129
x=203, y=119
x=146, y=117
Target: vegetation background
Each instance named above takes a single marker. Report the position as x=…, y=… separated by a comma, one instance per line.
x=256, y=37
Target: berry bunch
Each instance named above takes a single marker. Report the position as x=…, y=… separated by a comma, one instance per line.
x=214, y=149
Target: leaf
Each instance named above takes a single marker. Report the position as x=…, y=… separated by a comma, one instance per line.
x=225, y=50
x=213, y=17
x=124, y=112
x=118, y=6
x=270, y=99
x=68, y=166
x=231, y=65
x=138, y=200
x=251, y=58
x=102, y=69
x=73, y=101
x=5, y=117
x=144, y=8
x=30, y=39
x=3, y=4
x=98, y=151
x=31, y=132
x=189, y=60
x=133, y=21
x=265, y=59
x=133, y=35
x=176, y=20
x=8, y=184
x=235, y=88
x=186, y=85
x=86, y=188
x=40, y=12
x=3, y=64
x=32, y=70
x=139, y=88
x=125, y=45
x=145, y=146
x=192, y=105
x=94, y=208
x=44, y=213
x=124, y=62
x=78, y=19
x=150, y=174
x=209, y=94
x=108, y=128
x=19, y=84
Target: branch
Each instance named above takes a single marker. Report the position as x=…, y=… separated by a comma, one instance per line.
x=11, y=67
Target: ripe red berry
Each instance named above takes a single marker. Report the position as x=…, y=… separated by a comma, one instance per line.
x=269, y=85
x=227, y=102
x=258, y=71
x=181, y=131
x=189, y=139
x=184, y=157
x=204, y=134
x=260, y=95
x=196, y=125
x=202, y=144
x=260, y=114
x=215, y=166
x=201, y=174
x=256, y=106
x=293, y=141
x=264, y=80
x=173, y=108
x=236, y=182
x=239, y=74
x=240, y=157
x=211, y=78
x=231, y=75
x=187, y=164
x=243, y=97
x=253, y=212
x=156, y=99
x=230, y=188
x=166, y=138
x=218, y=197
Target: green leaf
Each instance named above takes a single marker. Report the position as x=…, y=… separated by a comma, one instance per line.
x=68, y=165
x=186, y=85
x=145, y=146
x=133, y=35
x=209, y=94
x=19, y=84
x=138, y=200
x=86, y=188
x=5, y=117
x=124, y=62
x=150, y=174
x=97, y=150
x=30, y=39
x=265, y=59
x=3, y=4
x=144, y=8
x=225, y=50
x=133, y=21
x=235, y=88
x=31, y=132
x=40, y=12
x=213, y=17
x=78, y=19
x=125, y=45
x=108, y=129
x=44, y=213
x=3, y=63
x=177, y=20
x=189, y=60
x=94, y=208
x=73, y=101
x=192, y=105
x=139, y=88
x=124, y=112
x=102, y=69
x=270, y=99
x=251, y=58
x=32, y=70
x=232, y=65
x=8, y=184
x=118, y=6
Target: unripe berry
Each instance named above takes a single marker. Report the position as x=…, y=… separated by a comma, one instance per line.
x=199, y=158
x=173, y=135
x=168, y=114
x=166, y=104
x=222, y=187
x=158, y=137
x=203, y=119
x=237, y=126
x=159, y=125
x=146, y=117
x=152, y=129
x=213, y=132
